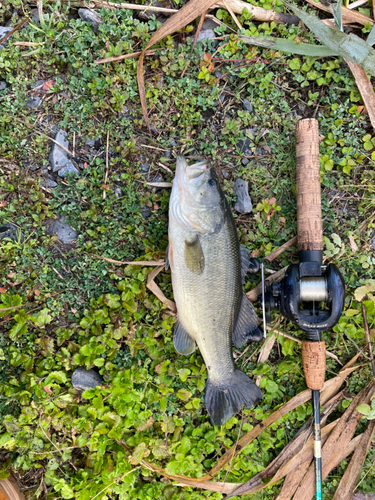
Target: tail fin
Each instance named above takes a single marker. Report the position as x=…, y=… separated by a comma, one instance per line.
x=225, y=399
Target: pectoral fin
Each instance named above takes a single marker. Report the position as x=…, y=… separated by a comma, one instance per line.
x=183, y=342
x=194, y=258
x=169, y=257
x=246, y=325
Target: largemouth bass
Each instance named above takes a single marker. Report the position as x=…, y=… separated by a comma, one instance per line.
x=208, y=266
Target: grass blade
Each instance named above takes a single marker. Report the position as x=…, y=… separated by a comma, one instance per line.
x=349, y=47
x=337, y=14
x=371, y=38
x=304, y=49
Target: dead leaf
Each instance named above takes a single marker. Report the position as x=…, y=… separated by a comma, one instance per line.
x=348, y=16
x=47, y=85
x=353, y=244
x=349, y=480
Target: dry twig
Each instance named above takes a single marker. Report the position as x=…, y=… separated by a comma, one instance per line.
x=367, y=332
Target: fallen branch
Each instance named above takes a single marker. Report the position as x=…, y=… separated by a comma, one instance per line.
x=301, y=398
x=155, y=289
x=337, y=441
x=273, y=255
x=256, y=291
x=290, y=337
x=143, y=263
x=367, y=333
x=124, y=56
x=348, y=16
x=258, y=13
x=349, y=480
x=363, y=83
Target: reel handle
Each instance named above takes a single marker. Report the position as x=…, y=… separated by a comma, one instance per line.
x=309, y=212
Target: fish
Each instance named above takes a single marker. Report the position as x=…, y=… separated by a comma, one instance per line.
x=208, y=267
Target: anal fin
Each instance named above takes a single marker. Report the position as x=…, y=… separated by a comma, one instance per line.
x=183, y=342
x=246, y=325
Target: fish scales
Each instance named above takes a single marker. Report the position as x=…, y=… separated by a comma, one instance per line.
x=205, y=259
x=209, y=299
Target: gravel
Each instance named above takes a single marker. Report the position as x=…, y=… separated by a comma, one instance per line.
x=243, y=204
x=58, y=158
x=68, y=169
x=34, y=102
x=91, y=17
x=62, y=230
x=83, y=379
x=247, y=106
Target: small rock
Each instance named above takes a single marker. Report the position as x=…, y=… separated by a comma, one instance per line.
x=167, y=154
x=118, y=191
x=247, y=106
x=3, y=85
x=243, y=145
x=58, y=157
x=245, y=161
x=49, y=183
x=224, y=173
x=372, y=241
x=83, y=379
x=146, y=212
x=209, y=25
x=39, y=83
x=145, y=167
x=35, y=17
x=146, y=15
x=157, y=178
x=34, y=102
x=89, y=16
x=218, y=74
x=260, y=151
x=243, y=204
x=10, y=231
x=62, y=230
x=206, y=35
x=94, y=143
x=68, y=169
x=172, y=142
x=4, y=30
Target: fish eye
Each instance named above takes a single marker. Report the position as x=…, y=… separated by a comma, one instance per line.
x=212, y=182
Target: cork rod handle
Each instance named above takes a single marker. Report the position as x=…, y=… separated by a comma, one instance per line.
x=309, y=213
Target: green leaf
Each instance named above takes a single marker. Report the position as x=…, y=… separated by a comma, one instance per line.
x=43, y=318
x=168, y=426
x=295, y=64
x=160, y=449
x=184, y=394
x=361, y=292
x=163, y=403
x=371, y=38
x=304, y=49
x=137, y=454
x=364, y=409
x=350, y=46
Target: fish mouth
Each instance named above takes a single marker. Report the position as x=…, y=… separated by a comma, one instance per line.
x=192, y=172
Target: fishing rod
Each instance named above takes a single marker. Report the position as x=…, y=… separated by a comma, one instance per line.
x=310, y=295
